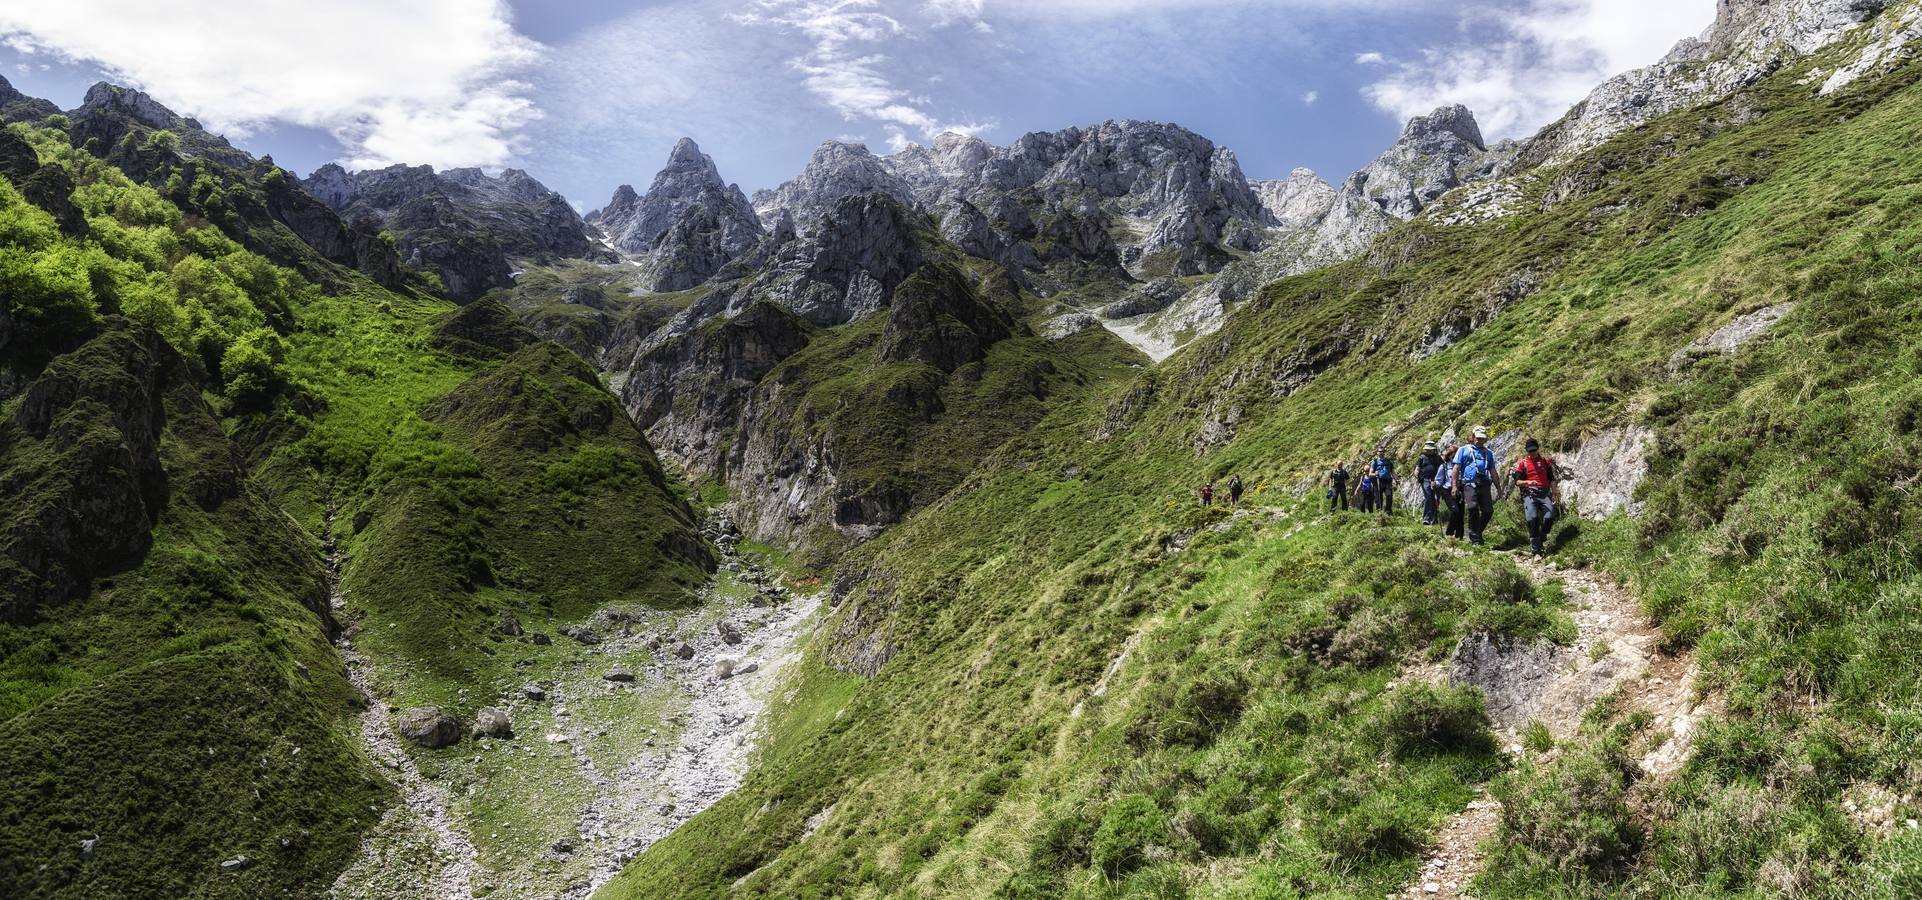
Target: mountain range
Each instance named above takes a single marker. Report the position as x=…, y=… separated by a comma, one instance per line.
x=404, y=533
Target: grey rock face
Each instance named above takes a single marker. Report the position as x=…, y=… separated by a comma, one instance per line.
x=1164, y=187
x=688, y=225
x=1601, y=476
x=18, y=107
x=428, y=727
x=1436, y=153
x=836, y=172
x=1749, y=39
x=1296, y=203
x=462, y=224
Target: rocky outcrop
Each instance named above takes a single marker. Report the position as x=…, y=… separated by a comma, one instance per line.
x=81, y=463
x=834, y=173
x=46, y=186
x=1601, y=476
x=18, y=107
x=1435, y=154
x=1749, y=39
x=463, y=224
x=686, y=227
x=686, y=390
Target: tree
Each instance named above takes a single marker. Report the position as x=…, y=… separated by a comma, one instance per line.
x=50, y=299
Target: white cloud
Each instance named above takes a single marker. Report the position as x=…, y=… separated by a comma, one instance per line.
x=1309, y=98
x=1371, y=58
x=846, y=63
x=416, y=81
x=1520, y=70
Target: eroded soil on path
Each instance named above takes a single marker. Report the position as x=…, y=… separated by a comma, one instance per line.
x=1616, y=652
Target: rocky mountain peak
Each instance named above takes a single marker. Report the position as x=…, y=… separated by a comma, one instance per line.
x=136, y=105
x=1445, y=122
x=836, y=170
x=687, y=226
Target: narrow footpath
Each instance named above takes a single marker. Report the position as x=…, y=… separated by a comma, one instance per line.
x=1616, y=651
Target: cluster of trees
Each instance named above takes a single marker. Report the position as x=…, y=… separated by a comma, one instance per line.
x=140, y=257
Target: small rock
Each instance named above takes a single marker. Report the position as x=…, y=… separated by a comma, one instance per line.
x=619, y=673
x=563, y=846
x=1431, y=888
x=724, y=667
x=361, y=520
x=654, y=643
x=304, y=671
x=235, y=864
x=510, y=624
x=684, y=650
x=582, y=634
x=729, y=632
x=492, y=722
x=86, y=846
x=534, y=692
x=540, y=638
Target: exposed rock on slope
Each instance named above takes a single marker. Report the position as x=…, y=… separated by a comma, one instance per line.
x=687, y=226
x=462, y=224
x=1749, y=39
x=836, y=171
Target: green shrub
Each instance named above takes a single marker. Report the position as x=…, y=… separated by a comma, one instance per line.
x=50, y=300
x=1132, y=827
x=1572, y=812
x=1420, y=719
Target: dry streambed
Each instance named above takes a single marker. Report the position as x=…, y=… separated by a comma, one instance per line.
x=616, y=742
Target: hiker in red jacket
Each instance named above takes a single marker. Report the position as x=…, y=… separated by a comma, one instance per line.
x=1540, y=490
x=1208, y=494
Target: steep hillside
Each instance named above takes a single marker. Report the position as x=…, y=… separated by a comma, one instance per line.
x=1063, y=678
x=469, y=228
x=203, y=414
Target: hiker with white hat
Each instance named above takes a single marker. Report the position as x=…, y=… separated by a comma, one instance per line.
x=1474, y=483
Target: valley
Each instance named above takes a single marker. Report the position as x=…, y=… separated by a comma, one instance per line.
x=397, y=532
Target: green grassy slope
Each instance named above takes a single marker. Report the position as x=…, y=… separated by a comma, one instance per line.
x=181, y=421
x=1248, y=745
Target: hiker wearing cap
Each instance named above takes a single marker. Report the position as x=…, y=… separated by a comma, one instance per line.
x=1426, y=467
x=1444, y=487
x=1474, y=484
x=1384, y=471
x=1540, y=492
x=1338, y=488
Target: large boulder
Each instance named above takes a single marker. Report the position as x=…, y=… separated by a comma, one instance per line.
x=428, y=727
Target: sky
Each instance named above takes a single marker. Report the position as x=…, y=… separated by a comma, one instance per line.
x=589, y=94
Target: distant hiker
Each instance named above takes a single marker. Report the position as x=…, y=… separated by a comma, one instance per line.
x=1384, y=471
x=1338, y=488
x=1234, y=490
x=1208, y=494
x=1474, y=484
x=1444, y=487
x=1541, y=489
x=1426, y=466
x=1365, y=494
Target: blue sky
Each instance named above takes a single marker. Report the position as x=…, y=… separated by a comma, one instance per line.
x=589, y=95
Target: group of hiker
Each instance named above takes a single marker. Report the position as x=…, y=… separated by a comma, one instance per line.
x=1459, y=486
x=1234, y=492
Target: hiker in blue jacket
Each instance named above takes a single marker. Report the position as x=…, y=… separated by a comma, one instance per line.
x=1444, y=487
x=1475, y=484
x=1384, y=471
x=1365, y=494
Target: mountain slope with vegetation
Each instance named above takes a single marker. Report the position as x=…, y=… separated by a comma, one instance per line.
x=1094, y=688
x=196, y=403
